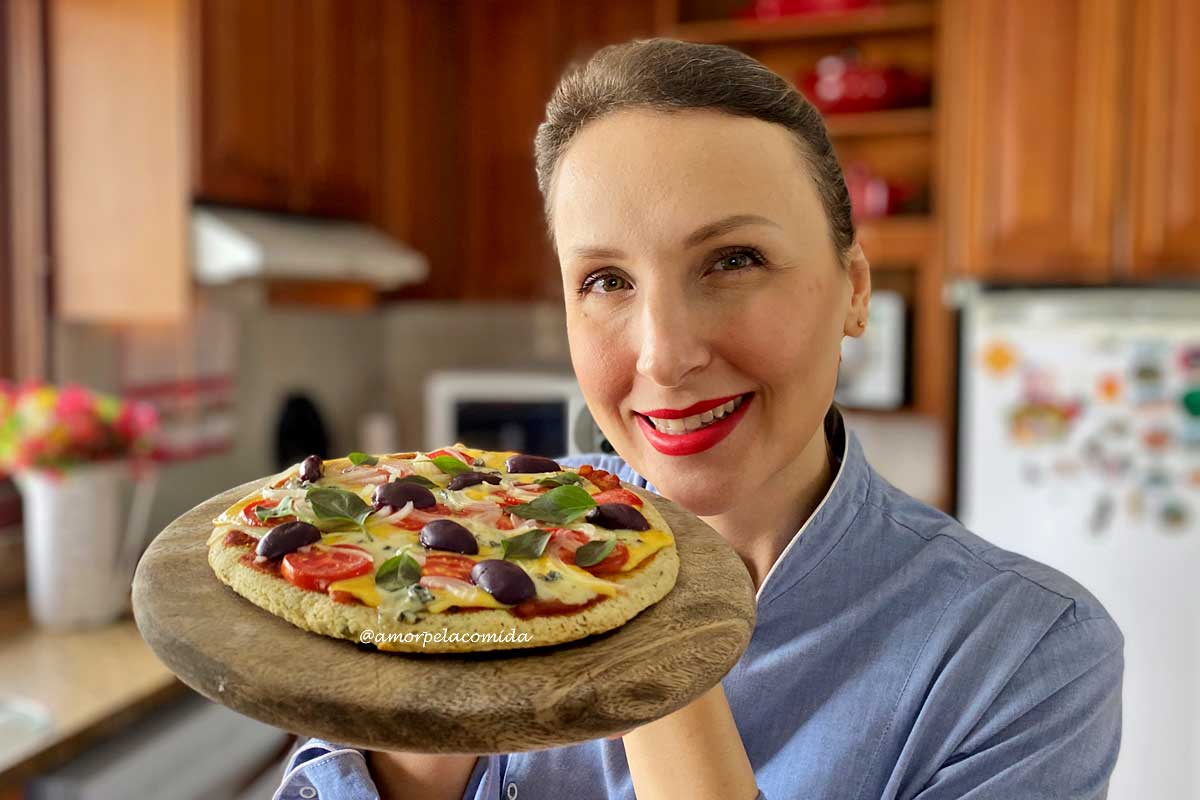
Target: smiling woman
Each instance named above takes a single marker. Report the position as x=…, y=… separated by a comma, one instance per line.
x=710, y=273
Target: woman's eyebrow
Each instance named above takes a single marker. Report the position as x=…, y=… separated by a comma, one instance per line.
x=699, y=236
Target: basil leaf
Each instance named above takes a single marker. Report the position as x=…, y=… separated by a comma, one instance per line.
x=529, y=544
x=562, y=505
x=280, y=510
x=358, y=459
x=337, y=505
x=420, y=480
x=593, y=553
x=398, y=572
x=559, y=479
x=450, y=465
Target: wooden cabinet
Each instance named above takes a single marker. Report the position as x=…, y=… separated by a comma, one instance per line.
x=118, y=192
x=1072, y=140
x=1032, y=112
x=1164, y=183
x=289, y=105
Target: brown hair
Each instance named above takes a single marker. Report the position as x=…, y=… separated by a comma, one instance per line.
x=669, y=75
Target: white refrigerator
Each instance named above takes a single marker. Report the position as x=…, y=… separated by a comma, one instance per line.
x=1079, y=446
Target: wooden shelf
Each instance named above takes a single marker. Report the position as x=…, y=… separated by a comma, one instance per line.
x=903, y=242
x=880, y=123
x=882, y=19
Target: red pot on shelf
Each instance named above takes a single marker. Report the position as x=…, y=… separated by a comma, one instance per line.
x=843, y=85
x=774, y=9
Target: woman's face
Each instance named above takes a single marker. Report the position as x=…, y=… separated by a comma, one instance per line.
x=698, y=268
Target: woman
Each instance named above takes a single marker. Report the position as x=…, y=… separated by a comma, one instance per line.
x=707, y=254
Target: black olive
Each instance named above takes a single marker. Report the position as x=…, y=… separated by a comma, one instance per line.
x=286, y=538
x=446, y=534
x=617, y=516
x=397, y=493
x=311, y=469
x=524, y=463
x=464, y=479
x=503, y=580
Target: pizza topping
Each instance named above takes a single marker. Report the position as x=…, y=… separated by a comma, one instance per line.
x=472, y=478
x=399, y=514
x=521, y=463
x=452, y=453
x=397, y=493
x=594, y=552
x=559, y=479
x=614, y=561
x=503, y=580
x=316, y=569
x=251, y=513
x=617, y=516
x=446, y=534
x=337, y=506
x=311, y=469
x=529, y=544
x=358, y=459
x=604, y=480
x=617, y=495
x=447, y=566
x=398, y=572
x=236, y=538
x=285, y=538
x=560, y=505
x=419, y=480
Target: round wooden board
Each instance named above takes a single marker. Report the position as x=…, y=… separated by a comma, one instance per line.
x=260, y=665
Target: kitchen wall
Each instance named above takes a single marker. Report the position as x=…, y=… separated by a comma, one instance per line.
x=350, y=364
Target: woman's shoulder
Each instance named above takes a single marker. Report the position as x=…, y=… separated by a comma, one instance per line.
x=987, y=570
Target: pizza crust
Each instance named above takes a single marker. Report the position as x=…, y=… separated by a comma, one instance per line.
x=313, y=611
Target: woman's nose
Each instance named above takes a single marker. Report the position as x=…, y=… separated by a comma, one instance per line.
x=670, y=345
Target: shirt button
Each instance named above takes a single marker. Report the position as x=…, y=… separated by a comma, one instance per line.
x=308, y=792
x=511, y=792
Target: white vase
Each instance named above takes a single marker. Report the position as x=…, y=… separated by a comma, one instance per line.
x=84, y=530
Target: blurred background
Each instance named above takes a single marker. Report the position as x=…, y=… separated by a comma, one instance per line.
x=310, y=226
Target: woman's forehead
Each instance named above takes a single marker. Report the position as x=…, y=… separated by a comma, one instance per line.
x=649, y=172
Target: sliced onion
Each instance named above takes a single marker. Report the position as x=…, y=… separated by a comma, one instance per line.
x=453, y=586
x=395, y=515
x=397, y=469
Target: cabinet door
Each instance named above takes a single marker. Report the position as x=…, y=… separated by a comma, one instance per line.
x=247, y=84
x=1031, y=108
x=1165, y=141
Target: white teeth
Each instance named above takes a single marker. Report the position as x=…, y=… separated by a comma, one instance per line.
x=695, y=422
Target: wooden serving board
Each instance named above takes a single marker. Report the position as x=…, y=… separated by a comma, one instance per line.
x=260, y=665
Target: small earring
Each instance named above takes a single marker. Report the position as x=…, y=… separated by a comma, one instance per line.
x=862, y=324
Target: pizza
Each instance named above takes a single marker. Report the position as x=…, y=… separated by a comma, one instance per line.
x=454, y=550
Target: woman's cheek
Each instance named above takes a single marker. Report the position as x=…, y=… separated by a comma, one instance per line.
x=603, y=370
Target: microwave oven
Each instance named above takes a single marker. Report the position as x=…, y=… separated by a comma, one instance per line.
x=531, y=412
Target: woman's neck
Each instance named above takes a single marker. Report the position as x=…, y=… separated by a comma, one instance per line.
x=760, y=528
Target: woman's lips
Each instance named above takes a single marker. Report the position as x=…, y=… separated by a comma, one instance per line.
x=697, y=441
x=692, y=410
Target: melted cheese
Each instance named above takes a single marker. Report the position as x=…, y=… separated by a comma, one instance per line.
x=362, y=587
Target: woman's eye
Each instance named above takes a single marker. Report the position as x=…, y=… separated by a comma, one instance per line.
x=737, y=259
x=603, y=282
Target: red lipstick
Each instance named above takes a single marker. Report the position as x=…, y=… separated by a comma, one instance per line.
x=697, y=441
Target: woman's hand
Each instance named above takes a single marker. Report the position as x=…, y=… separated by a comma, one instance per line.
x=695, y=753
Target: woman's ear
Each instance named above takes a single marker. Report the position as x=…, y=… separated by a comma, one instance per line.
x=858, y=274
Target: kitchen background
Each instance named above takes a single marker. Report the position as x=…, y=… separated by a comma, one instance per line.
x=243, y=212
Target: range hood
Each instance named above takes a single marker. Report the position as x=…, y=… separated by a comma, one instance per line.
x=232, y=244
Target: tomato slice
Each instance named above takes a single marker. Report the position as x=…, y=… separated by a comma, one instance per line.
x=250, y=518
x=612, y=562
x=617, y=495
x=443, y=565
x=605, y=480
x=446, y=451
x=565, y=541
x=316, y=569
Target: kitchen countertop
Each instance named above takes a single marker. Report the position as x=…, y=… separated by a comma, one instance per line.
x=92, y=683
